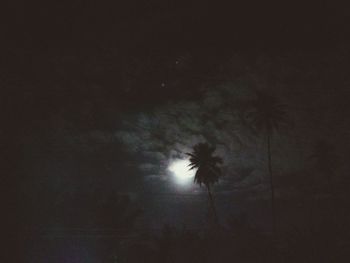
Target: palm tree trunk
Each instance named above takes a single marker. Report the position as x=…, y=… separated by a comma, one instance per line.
x=271, y=184
x=214, y=216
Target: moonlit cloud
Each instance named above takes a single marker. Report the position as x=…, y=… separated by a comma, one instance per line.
x=166, y=133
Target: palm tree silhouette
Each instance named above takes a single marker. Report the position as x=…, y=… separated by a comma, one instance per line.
x=325, y=161
x=208, y=171
x=268, y=114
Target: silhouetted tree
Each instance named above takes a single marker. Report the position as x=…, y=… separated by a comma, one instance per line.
x=245, y=238
x=325, y=160
x=266, y=117
x=167, y=244
x=208, y=171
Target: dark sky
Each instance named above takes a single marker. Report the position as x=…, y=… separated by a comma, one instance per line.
x=153, y=24
x=99, y=97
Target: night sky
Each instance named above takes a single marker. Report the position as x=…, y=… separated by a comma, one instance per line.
x=100, y=98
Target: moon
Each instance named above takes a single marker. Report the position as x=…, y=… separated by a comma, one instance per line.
x=181, y=171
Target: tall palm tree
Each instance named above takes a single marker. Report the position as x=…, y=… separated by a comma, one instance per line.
x=268, y=114
x=208, y=171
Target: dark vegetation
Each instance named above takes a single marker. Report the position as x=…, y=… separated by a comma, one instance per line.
x=105, y=229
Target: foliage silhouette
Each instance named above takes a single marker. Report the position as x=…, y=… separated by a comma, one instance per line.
x=267, y=115
x=325, y=160
x=208, y=172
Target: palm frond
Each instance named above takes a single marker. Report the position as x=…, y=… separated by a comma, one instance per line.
x=208, y=171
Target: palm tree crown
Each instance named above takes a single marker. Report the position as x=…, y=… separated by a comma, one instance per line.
x=202, y=159
x=268, y=113
x=208, y=172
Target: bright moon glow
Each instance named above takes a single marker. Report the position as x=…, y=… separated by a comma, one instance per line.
x=182, y=171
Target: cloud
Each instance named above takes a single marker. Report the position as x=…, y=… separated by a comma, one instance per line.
x=169, y=131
